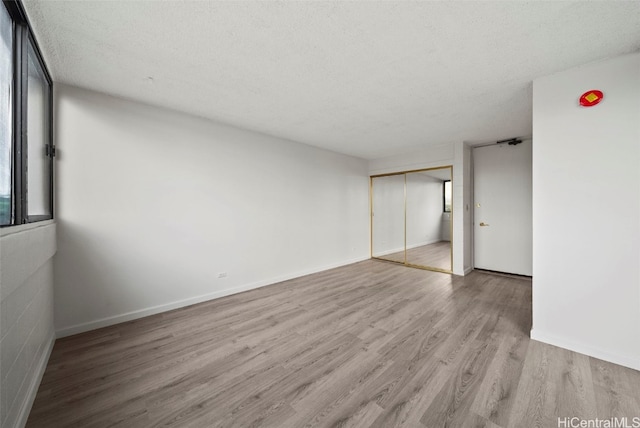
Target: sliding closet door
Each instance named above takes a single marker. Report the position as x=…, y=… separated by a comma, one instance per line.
x=411, y=216
x=387, y=217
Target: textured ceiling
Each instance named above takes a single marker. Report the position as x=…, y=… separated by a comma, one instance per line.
x=368, y=79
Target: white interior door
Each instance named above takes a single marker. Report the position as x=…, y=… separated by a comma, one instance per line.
x=502, y=208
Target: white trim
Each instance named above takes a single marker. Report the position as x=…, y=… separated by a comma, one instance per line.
x=468, y=270
x=10, y=230
x=591, y=351
x=117, y=319
x=30, y=396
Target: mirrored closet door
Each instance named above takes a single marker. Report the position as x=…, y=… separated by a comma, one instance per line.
x=411, y=215
x=388, y=227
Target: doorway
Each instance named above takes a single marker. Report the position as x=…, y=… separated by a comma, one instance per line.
x=503, y=208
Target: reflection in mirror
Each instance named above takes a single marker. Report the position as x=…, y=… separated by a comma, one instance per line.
x=388, y=217
x=429, y=218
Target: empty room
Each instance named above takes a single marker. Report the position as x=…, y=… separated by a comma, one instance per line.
x=319, y=214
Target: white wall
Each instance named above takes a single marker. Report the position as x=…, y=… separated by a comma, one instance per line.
x=461, y=208
x=427, y=158
x=450, y=154
x=153, y=204
x=26, y=316
x=586, y=211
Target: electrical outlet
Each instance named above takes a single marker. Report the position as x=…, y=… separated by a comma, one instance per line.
x=222, y=275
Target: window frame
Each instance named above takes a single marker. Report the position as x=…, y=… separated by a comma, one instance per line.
x=22, y=37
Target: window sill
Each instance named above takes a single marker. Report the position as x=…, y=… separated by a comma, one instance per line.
x=10, y=230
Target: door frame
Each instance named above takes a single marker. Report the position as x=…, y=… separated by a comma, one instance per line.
x=472, y=199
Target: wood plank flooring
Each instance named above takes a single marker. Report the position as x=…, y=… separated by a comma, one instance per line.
x=437, y=255
x=370, y=344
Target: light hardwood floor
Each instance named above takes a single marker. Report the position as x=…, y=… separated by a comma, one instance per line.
x=370, y=344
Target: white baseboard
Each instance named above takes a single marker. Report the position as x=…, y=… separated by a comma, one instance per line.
x=128, y=316
x=39, y=369
x=591, y=351
x=468, y=270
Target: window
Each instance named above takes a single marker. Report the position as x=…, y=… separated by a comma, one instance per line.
x=26, y=143
x=38, y=165
x=6, y=123
x=446, y=196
